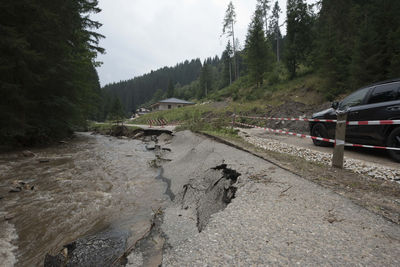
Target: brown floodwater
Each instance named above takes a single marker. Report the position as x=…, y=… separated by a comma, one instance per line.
x=82, y=187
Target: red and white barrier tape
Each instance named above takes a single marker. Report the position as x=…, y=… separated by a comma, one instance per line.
x=288, y=133
x=157, y=122
x=316, y=138
x=285, y=119
x=376, y=122
x=379, y=122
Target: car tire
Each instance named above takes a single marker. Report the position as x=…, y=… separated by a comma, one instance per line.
x=319, y=130
x=394, y=141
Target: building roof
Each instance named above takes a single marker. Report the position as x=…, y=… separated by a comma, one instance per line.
x=175, y=101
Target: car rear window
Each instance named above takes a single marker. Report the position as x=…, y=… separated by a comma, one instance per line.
x=384, y=93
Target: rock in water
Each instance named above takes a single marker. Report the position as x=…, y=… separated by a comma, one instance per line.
x=15, y=190
x=27, y=153
x=101, y=249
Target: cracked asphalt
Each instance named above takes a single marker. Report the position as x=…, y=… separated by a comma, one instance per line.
x=277, y=218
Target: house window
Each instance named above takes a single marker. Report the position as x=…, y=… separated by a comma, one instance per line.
x=179, y=106
x=169, y=106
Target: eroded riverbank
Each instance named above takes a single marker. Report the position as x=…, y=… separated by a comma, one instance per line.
x=92, y=184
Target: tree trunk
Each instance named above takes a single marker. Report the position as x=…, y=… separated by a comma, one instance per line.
x=230, y=71
x=277, y=48
x=234, y=51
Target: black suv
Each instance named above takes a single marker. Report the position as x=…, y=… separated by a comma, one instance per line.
x=380, y=101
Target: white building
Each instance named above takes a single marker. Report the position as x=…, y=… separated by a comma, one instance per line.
x=170, y=103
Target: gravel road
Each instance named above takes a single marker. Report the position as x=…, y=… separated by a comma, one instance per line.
x=371, y=155
x=375, y=165
x=276, y=218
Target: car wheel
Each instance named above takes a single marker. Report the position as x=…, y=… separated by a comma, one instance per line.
x=319, y=130
x=394, y=141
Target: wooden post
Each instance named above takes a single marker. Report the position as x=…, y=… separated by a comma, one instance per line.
x=233, y=119
x=338, y=152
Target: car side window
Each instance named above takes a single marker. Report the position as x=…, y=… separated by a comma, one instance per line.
x=384, y=93
x=354, y=99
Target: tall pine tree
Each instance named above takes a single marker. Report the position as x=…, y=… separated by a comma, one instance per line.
x=299, y=34
x=229, y=29
x=257, y=49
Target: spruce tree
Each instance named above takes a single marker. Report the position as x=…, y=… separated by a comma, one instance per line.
x=274, y=32
x=229, y=30
x=205, y=80
x=263, y=6
x=227, y=65
x=117, y=112
x=299, y=34
x=170, y=90
x=257, y=49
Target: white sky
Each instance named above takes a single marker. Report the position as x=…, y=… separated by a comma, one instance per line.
x=145, y=35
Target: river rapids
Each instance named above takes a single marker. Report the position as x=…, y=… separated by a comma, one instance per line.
x=90, y=184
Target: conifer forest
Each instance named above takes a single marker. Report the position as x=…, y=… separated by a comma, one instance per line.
x=49, y=85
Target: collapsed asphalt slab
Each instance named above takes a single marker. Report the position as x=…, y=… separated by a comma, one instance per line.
x=272, y=216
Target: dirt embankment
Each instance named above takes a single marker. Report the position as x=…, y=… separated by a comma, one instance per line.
x=122, y=131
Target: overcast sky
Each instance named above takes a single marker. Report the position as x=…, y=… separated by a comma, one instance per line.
x=145, y=35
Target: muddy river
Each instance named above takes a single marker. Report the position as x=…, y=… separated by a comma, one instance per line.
x=72, y=190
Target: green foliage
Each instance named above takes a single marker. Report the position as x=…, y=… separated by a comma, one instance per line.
x=229, y=20
x=258, y=51
x=226, y=58
x=394, y=51
x=274, y=33
x=206, y=79
x=117, y=111
x=136, y=92
x=48, y=84
x=158, y=95
x=299, y=34
x=263, y=7
x=357, y=43
x=170, y=90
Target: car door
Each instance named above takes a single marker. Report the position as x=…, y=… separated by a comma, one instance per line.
x=355, y=104
x=383, y=103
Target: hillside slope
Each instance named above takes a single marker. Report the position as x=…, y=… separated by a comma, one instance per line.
x=299, y=97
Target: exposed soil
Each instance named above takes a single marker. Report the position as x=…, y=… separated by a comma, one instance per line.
x=129, y=132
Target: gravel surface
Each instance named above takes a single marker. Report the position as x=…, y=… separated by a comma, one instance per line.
x=277, y=218
x=135, y=260
x=358, y=166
